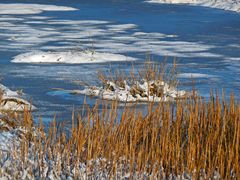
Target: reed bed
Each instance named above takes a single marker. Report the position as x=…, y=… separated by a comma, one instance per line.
x=191, y=139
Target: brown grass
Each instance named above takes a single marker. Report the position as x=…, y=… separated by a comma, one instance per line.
x=149, y=71
x=157, y=76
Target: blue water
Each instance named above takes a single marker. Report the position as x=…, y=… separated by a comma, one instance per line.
x=204, y=40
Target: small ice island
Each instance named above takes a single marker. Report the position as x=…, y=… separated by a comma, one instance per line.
x=69, y=57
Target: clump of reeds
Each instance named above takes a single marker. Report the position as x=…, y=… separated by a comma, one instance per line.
x=151, y=72
x=153, y=83
x=193, y=138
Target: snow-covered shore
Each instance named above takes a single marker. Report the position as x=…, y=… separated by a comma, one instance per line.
x=69, y=57
x=12, y=101
x=231, y=5
x=11, y=131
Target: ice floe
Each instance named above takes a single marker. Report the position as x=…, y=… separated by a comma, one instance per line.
x=195, y=75
x=69, y=57
x=12, y=101
x=22, y=8
x=121, y=27
x=232, y=5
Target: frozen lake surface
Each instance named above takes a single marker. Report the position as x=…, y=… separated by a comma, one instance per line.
x=204, y=40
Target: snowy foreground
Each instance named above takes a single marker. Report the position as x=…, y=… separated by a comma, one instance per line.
x=147, y=91
x=70, y=57
x=11, y=101
x=11, y=133
x=232, y=5
x=94, y=169
x=35, y=163
x=22, y=159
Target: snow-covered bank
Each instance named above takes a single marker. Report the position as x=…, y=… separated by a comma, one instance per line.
x=70, y=57
x=231, y=5
x=20, y=8
x=11, y=100
x=147, y=91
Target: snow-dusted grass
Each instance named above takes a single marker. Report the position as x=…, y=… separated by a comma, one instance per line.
x=232, y=5
x=192, y=139
x=69, y=57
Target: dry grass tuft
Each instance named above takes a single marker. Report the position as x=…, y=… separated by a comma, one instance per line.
x=154, y=82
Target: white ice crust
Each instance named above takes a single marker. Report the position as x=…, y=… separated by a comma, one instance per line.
x=232, y=5
x=69, y=57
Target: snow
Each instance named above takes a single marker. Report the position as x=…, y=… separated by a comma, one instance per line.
x=20, y=8
x=105, y=36
x=121, y=27
x=9, y=139
x=11, y=100
x=70, y=57
x=7, y=92
x=232, y=5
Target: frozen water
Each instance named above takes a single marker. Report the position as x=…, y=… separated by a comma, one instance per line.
x=22, y=8
x=204, y=40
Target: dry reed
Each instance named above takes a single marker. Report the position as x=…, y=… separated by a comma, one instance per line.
x=191, y=137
